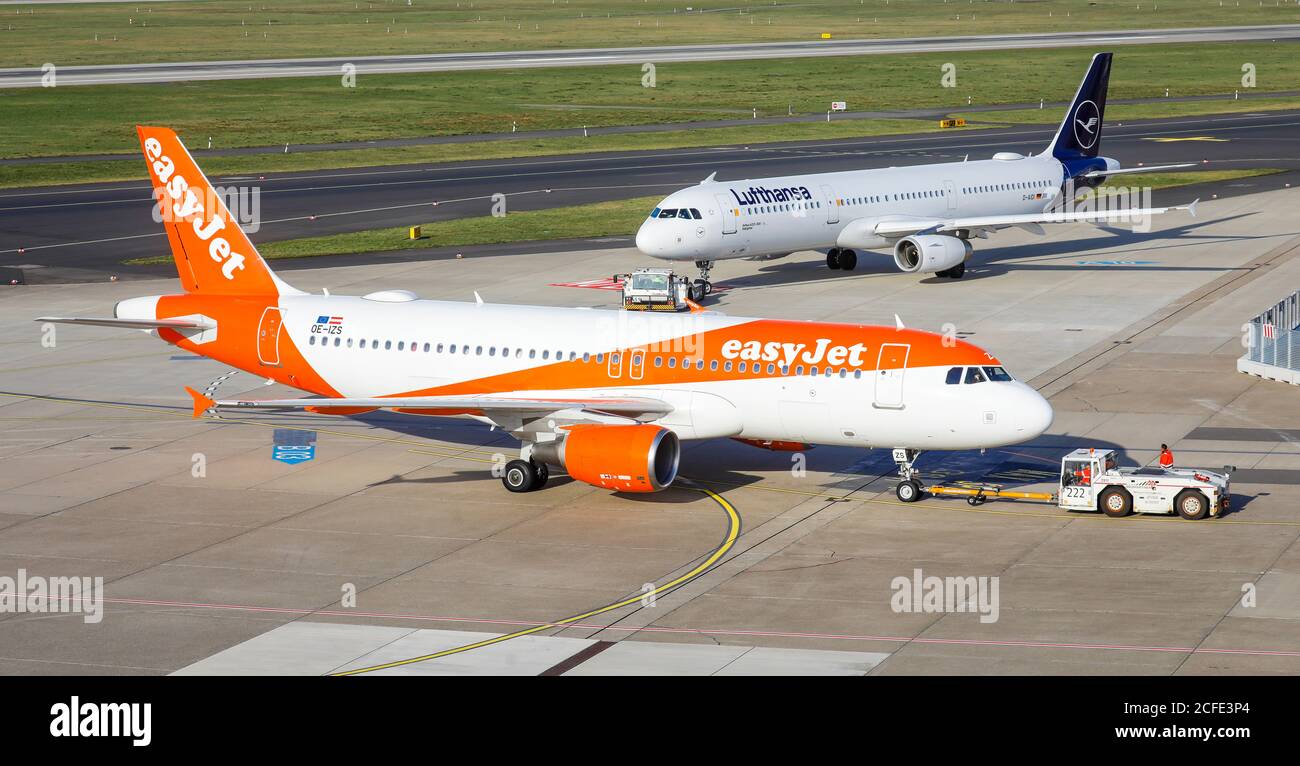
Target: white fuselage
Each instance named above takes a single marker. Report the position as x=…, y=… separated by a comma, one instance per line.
x=724, y=376
x=778, y=216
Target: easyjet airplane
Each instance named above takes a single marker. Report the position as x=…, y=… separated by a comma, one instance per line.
x=607, y=395
x=927, y=214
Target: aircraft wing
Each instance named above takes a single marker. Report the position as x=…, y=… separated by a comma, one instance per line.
x=629, y=407
x=891, y=229
x=133, y=324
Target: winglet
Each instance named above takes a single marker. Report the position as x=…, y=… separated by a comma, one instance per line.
x=478, y=299
x=1192, y=207
x=709, y=180
x=201, y=403
x=898, y=323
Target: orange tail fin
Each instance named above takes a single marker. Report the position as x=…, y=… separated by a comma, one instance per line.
x=213, y=255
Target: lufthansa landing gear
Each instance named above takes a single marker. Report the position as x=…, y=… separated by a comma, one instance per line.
x=702, y=286
x=956, y=272
x=842, y=259
x=525, y=475
x=909, y=486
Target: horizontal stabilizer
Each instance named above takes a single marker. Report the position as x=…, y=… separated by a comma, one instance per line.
x=1147, y=169
x=134, y=324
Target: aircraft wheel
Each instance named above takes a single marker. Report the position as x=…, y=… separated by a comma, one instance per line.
x=541, y=472
x=1116, y=502
x=1191, y=505
x=908, y=491
x=958, y=271
x=833, y=258
x=848, y=260
x=519, y=476
x=702, y=288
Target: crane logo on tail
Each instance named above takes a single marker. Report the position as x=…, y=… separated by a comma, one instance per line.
x=1087, y=120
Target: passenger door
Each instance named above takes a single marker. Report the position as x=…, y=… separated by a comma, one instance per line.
x=728, y=211
x=950, y=191
x=890, y=366
x=832, y=204
x=268, y=337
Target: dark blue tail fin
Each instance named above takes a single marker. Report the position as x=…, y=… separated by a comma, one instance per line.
x=1079, y=136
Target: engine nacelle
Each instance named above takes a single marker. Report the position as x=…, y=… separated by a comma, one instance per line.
x=928, y=253
x=640, y=458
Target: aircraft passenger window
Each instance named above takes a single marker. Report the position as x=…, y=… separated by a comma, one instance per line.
x=388, y=345
x=478, y=351
x=426, y=348
x=349, y=343
x=532, y=353
x=415, y=346
x=337, y=341
x=785, y=369
x=699, y=364
x=659, y=362
x=857, y=374
x=954, y=376
x=813, y=371
x=771, y=368
x=600, y=358
x=573, y=355
x=998, y=374
x=742, y=367
x=439, y=348
x=492, y=351
x=311, y=341
x=614, y=358
x=844, y=373
x=672, y=362
x=713, y=365
x=464, y=349
x=586, y=357
x=798, y=370
x=727, y=367
x=973, y=375
x=546, y=354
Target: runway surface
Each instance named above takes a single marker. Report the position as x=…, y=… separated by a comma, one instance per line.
x=448, y=62
x=244, y=567
x=85, y=232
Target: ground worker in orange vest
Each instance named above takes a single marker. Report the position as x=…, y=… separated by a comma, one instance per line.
x=1166, y=457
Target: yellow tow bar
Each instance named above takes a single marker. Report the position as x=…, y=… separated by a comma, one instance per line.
x=979, y=494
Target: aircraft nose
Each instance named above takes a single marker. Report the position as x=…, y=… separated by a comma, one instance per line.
x=1033, y=414
x=647, y=240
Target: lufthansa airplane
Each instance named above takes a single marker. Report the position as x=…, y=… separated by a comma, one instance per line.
x=606, y=395
x=926, y=213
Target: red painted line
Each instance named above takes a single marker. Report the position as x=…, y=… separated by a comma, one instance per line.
x=708, y=631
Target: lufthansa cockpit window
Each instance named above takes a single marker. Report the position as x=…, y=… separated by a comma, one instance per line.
x=696, y=214
x=668, y=213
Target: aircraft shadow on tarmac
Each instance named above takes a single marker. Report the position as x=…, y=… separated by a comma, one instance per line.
x=989, y=262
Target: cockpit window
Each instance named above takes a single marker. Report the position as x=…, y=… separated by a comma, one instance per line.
x=696, y=214
x=954, y=376
x=671, y=213
x=973, y=375
x=654, y=213
x=998, y=374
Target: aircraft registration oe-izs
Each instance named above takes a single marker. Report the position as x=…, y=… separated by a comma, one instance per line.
x=607, y=395
x=926, y=213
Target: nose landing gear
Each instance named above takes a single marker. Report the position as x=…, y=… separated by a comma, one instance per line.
x=702, y=286
x=841, y=258
x=909, y=488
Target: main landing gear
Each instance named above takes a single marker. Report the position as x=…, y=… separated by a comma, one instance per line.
x=525, y=475
x=842, y=259
x=909, y=488
x=956, y=272
x=702, y=286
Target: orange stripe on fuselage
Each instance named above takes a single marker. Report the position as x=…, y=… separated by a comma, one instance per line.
x=806, y=344
x=236, y=343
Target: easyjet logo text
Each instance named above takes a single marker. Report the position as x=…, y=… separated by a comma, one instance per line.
x=789, y=353
x=182, y=203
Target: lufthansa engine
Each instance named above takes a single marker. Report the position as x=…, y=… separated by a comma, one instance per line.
x=928, y=253
x=631, y=458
